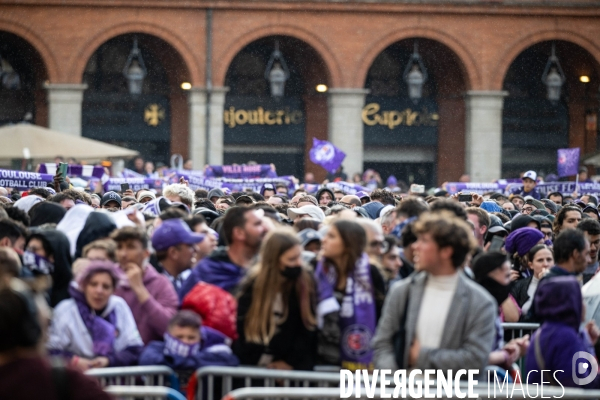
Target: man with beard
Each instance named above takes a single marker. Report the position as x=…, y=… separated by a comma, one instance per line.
x=225, y=267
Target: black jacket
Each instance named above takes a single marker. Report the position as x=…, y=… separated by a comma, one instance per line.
x=292, y=343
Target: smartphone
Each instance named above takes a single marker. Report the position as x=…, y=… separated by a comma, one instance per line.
x=414, y=188
x=62, y=170
x=497, y=243
x=124, y=187
x=465, y=198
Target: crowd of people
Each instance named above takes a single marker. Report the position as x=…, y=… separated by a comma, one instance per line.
x=387, y=279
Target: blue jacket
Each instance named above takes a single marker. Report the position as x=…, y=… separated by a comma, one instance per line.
x=558, y=303
x=534, y=193
x=216, y=269
x=213, y=351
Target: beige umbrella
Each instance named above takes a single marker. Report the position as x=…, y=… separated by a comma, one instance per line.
x=45, y=144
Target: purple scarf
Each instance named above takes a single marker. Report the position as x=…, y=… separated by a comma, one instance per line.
x=357, y=312
x=103, y=331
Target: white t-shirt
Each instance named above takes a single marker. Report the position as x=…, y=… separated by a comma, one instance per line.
x=435, y=306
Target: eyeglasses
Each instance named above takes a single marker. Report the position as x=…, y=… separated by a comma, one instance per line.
x=527, y=210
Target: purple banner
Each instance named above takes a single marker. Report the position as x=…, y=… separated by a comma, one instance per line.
x=238, y=185
x=568, y=162
x=84, y=171
x=240, y=171
x=326, y=155
x=135, y=184
x=347, y=187
x=24, y=180
x=479, y=188
x=565, y=188
x=128, y=173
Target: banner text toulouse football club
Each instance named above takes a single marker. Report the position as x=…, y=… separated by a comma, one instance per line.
x=23, y=180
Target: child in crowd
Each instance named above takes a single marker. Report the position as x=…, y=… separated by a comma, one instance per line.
x=188, y=346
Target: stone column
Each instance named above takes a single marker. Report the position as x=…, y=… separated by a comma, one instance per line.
x=217, y=106
x=197, y=103
x=64, y=106
x=197, y=116
x=484, y=134
x=346, y=126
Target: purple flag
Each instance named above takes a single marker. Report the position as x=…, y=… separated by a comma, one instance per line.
x=568, y=162
x=326, y=155
x=24, y=180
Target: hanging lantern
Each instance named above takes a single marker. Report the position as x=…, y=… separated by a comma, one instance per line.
x=553, y=77
x=415, y=76
x=135, y=70
x=277, y=73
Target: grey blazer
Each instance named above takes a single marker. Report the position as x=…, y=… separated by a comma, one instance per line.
x=469, y=331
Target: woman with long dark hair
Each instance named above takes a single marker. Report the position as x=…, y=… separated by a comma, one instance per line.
x=539, y=259
x=351, y=293
x=276, y=314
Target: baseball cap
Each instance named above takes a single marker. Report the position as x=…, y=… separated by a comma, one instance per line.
x=531, y=175
x=173, y=232
x=110, y=196
x=362, y=195
x=309, y=235
x=314, y=211
x=142, y=194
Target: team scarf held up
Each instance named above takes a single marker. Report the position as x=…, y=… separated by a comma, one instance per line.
x=357, y=312
x=175, y=347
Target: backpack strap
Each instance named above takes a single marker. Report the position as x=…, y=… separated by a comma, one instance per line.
x=539, y=358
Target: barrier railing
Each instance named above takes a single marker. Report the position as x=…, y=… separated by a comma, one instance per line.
x=148, y=392
x=518, y=329
x=155, y=375
x=211, y=379
x=482, y=391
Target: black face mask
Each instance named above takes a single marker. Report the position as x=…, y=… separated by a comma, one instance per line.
x=498, y=291
x=292, y=272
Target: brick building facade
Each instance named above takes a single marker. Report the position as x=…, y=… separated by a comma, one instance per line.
x=468, y=47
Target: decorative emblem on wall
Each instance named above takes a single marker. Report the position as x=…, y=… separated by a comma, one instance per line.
x=154, y=114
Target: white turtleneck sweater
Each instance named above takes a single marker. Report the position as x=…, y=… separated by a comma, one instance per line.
x=435, y=307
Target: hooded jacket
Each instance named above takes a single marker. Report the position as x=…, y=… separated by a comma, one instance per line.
x=97, y=226
x=321, y=191
x=216, y=269
x=153, y=316
x=46, y=213
x=69, y=335
x=558, y=303
x=214, y=350
x=62, y=274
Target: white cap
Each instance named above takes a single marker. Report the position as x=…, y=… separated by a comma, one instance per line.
x=531, y=175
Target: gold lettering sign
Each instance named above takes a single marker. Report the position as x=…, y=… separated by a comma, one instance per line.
x=154, y=114
x=235, y=117
x=371, y=116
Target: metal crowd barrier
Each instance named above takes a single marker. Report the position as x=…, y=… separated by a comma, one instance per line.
x=482, y=391
x=148, y=392
x=210, y=379
x=142, y=376
x=518, y=329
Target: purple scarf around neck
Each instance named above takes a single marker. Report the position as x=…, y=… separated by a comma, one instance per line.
x=357, y=312
x=103, y=331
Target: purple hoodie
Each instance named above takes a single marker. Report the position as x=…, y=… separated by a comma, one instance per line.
x=153, y=316
x=558, y=304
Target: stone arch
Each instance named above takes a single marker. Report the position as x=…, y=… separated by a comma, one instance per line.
x=37, y=43
x=87, y=50
x=222, y=65
x=466, y=61
x=525, y=42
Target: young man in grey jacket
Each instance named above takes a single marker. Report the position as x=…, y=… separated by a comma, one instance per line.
x=450, y=319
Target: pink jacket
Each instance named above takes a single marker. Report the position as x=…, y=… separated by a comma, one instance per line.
x=154, y=315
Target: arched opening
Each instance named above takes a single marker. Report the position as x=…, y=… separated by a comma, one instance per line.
x=534, y=127
x=153, y=122
x=416, y=140
x=22, y=76
x=265, y=128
